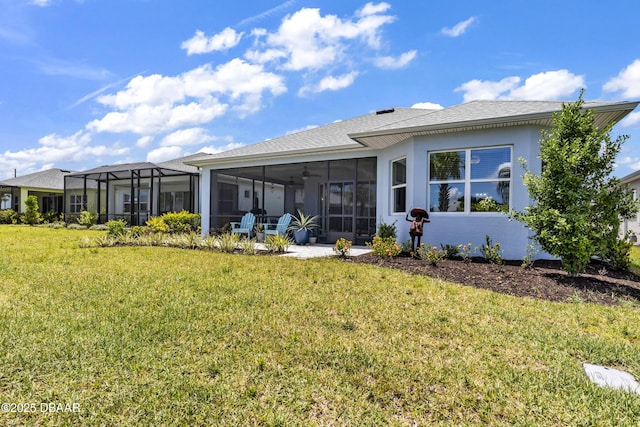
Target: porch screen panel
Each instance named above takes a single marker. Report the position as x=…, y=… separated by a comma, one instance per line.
x=366, y=199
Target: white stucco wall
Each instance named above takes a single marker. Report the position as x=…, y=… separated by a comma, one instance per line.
x=461, y=228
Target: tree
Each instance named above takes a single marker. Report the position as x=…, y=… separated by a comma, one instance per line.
x=578, y=204
x=32, y=215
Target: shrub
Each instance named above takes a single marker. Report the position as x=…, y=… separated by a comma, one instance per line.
x=31, y=216
x=139, y=230
x=87, y=218
x=8, y=216
x=465, y=252
x=619, y=254
x=432, y=254
x=181, y=222
x=210, y=242
x=491, y=252
x=99, y=227
x=450, y=251
x=76, y=226
x=248, y=246
x=387, y=230
x=385, y=247
x=227, y=242
x=157, y=225
x=277, y=243
x=342, y=247
x=51, y=216
x=116, y=227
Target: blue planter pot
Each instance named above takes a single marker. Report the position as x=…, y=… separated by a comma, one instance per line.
x=301, y=236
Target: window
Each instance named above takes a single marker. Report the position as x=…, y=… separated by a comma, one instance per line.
x=399, y=185
x=473, y=180
x=77, y=203
x=143, y=206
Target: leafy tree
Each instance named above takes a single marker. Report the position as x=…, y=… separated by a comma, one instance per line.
x=32, y=215
x=578, y=204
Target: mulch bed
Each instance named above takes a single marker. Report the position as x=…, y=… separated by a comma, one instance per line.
x=545, y=280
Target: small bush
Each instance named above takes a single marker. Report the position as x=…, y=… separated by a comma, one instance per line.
x=181, y=222
x=620, y=254
x=99, y=227
x=277, y=243
x=465, y=252
x=87, y=219
x=342, y=247
x=139, y=230
x=227, y=242
x=385, y=247
x=116, y=227
x=387, y=230
x=432, y=254
x=491, y=252
x=31, y=216
x=248, y=246
x=157, y=225
x=450, y=251
x=76, y=226
x=210, y=242
x=8, y=216
x=51, y=216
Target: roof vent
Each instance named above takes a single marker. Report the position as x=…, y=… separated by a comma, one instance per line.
x=387, y=111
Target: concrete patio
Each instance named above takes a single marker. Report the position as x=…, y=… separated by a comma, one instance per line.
x=318, y=250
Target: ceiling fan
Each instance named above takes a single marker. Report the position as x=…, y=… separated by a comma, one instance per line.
x=306, y=174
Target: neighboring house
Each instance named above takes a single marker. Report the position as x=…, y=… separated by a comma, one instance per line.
x=460, y=163
x=47, y=186
x=133, y=191
x=632, y=225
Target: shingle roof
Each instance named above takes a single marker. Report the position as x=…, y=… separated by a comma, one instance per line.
x=50, y=179
x=482, y=115
x=331, y=137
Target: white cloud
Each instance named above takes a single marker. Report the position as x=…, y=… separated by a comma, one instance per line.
x=153, y=104
x=478, y=89
x=551, y=85
x=631, y=120
x=331, y=83
x=267, y=13
x=42, y=3
x=460, y=28
x=390, y=63
x=222, y=41
x=191, y=136
x=307, y=40
x=627, y=81
x=144, y=141
x=428, y=106
x=220, y=149
x=164, y=153
x=55, y=148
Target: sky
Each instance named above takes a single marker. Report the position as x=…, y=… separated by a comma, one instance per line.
x=86, y=83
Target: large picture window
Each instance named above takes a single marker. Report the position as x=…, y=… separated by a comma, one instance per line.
x=472, y=180
x=77, y=203
x=399, y=185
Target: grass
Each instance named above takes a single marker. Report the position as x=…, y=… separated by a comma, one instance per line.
x=635, y=259
x=161, y=336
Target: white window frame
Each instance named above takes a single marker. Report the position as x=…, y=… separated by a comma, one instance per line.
x=398, y=186
x=77, y=203
x=467, y=181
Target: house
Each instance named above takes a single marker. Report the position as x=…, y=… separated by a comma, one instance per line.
x=632, y=225
x=460, y=163
x=133, y=191
x=47, y=186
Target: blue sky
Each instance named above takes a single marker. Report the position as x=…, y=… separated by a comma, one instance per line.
x=93, y=82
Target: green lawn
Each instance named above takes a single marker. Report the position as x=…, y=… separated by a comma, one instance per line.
x=159, y=336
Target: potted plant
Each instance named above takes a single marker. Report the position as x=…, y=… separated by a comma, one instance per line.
x=259, y=230
x=301, y=226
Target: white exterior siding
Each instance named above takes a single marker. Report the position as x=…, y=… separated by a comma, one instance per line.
x=461, y=228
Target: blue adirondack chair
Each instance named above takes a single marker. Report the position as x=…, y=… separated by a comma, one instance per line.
x=280, y=227
x=245, y=226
